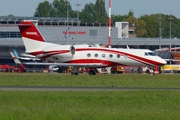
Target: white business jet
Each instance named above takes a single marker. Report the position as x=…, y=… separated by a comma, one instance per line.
x=83, y=55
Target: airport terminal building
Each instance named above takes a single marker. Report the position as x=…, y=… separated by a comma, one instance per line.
x=55, y=30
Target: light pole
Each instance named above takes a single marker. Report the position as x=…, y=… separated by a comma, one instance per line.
x=170, y=33
x=134, y=28
x=78, y=21
x=160, y=30
x=67, y=5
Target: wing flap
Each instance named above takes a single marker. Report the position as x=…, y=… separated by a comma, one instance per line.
x=69, y=64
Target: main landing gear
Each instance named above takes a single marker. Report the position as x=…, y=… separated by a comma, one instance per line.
x=93, y=71
x=151, y=70
x=74, y=71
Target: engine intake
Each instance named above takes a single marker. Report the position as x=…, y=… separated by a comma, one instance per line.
x=72, y=50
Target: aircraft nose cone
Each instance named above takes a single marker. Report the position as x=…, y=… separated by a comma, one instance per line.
x=163, y=62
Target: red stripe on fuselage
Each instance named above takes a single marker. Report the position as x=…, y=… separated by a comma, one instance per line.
x=105, y=62
x=131, y=56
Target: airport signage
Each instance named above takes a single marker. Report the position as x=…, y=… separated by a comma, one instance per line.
x=74, y=32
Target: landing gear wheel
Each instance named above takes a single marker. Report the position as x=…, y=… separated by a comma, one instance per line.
x=91, y=72
x=72, y=73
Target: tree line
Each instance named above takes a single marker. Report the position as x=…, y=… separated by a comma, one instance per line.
x=146, y=26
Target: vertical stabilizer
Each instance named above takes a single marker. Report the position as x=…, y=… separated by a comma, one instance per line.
x=15, y=58
x=31, y=36
x=17, y=61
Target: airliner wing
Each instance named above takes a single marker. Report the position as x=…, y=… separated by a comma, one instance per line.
x=69, y=64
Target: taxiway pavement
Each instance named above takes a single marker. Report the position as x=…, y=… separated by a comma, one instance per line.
x=56, y=88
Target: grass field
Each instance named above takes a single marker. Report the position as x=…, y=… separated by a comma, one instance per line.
x=109, y=105
x=125, y=80
x=98, y=105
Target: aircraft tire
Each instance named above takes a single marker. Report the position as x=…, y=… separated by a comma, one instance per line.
x=74, y=73
x=91, y=72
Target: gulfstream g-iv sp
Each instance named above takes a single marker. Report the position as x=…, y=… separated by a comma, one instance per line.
x=83, y=55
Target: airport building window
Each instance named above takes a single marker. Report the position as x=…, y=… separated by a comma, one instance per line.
x=118, y=56
x=103, y=55
x=110, y=55
x=4, y=34
x=89, y=55
x=10, y=34
x=96, y=55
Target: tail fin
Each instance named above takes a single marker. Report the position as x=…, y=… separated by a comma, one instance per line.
x=15, y=58
x=31, y=36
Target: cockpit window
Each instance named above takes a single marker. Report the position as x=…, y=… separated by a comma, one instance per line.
x=152, y=53
x=146, y=54
x=149, y=54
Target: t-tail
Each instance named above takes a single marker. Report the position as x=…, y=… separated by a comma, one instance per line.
x=32, y=38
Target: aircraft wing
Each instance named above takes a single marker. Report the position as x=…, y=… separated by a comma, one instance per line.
x=24, y=58
x=174, y=60
x=69, y=64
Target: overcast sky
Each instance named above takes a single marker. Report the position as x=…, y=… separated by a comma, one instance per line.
x=119, y=7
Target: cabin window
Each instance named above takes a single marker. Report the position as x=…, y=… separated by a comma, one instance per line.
x=96, y=55
x=89, y=55
x=110, y=55
x=118, y=55
x=103, y=55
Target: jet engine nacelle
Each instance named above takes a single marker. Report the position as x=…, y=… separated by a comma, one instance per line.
x=71, y=52
x=61, y=54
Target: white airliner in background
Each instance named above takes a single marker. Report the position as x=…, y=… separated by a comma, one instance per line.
x=26, y=57
x=83, y=55
x=52, y=68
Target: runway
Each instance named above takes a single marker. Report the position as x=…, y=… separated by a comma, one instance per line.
x=55, y=88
